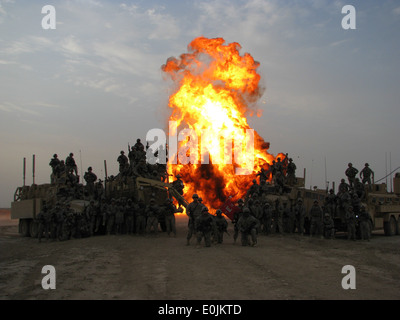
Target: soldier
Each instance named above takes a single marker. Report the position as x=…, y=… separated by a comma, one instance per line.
x=364, y=219
x=277, y=217
x=287, y=218
x=366, y=174
x=204, y=226
x=236, y=216
x=110, y=220
x=101, y=216
x=170, y=211
x=359, y=188
x=58, y=217
x=152, y=212
x=193, y=211
x=291, y=173
x=119, y=217
x=70, y=164
x=123, y=163
x=343, y=187
x=68, y=222
x=263, y=174
x=91, y=215
x=45, y=219
x=279, y=182
x=266, y=218
x=356, y=203
x=254, y=189
x=221, y=226
x=178, y=184
x=351, y=173
x=330, y=203
x=54, y=163
x=247, y=225
x=90, y=179
x=316, y=215
x=138, y=145
x=329, y=226
x=257, y=211
x=351, y=223
x=140, y=217
x=99, y=190
x=299, y=214
x=130, y=211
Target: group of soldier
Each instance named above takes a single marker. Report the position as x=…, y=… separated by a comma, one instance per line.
x=117, y=216
x=252, y=216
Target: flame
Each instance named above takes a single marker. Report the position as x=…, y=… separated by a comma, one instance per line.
x=215, y=89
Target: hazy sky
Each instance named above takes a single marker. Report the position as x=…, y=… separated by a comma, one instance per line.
x=94, y=83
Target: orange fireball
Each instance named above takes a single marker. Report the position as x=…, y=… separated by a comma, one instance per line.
x=215, y=87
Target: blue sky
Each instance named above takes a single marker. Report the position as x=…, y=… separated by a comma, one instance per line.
x=94, y=83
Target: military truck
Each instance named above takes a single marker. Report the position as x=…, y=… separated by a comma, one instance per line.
x=29, y=200
x=383, y=206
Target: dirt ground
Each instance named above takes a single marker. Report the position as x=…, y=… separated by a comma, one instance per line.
x=159, y=267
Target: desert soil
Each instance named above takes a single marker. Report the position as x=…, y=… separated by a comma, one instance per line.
x=162, y=267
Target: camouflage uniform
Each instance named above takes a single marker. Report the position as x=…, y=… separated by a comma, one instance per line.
x=45, y=219
x=267, y=218
x=140, y=217
x=152, y=212
x=329, y=226
x=193, y=211
x=91, y=215
x=170, y=211
x=130, y=211
x=203, y=227
x=351, y=173
x=111, y=213
x=351, y=223
x=119, y=217
x=365, y=218
x=299, y=214
x=316, y=216
x=221, y=226
x=366, y=174
x=247, y=226
x=90, y=179
x=277, y=218
x=236, y=217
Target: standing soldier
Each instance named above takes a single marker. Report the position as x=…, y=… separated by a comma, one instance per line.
x=111, y=213
x=329, y=226
x=221, y=226
x=178, y=184
x=291, y=173
x=204, y=226
x=351, y=173
x=237, y=215
x=123, y=163
x=140, y=217
x=119, y=217
x=351, y=223
x=247, y=225
x=90, y=179
x=288, y=218
x=58, y=217
x=366, y=174
x=170, y=211
x=299, y=214
x=343, y=187
x=330, y=203
x=130, y=210
x=316, y=215
x=267, y=218
x=68, y=223
x=101, y=215
x=193, y=211
x=91, y=215
x=45, y=220
x=277, y=217
x=152, y=212
x=54, y=163
x=365, y=218
x=70, y=164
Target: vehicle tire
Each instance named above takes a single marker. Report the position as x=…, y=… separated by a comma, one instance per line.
x=24, y=227
x=390, y=227
x=34, y=229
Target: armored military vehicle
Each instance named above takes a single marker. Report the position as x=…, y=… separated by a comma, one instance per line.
x=29, y=200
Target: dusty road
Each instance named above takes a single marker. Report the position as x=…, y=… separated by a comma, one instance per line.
x=162, y=267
